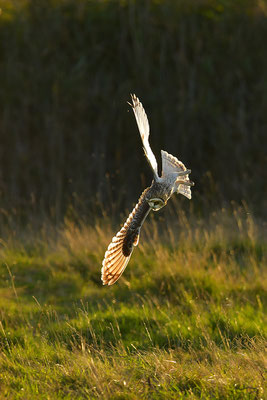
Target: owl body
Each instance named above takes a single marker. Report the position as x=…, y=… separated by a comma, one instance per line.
x=159, y=193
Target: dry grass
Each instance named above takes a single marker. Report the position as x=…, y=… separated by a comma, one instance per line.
x=185, y=321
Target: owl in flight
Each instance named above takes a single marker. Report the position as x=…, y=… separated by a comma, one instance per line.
x=174, y=179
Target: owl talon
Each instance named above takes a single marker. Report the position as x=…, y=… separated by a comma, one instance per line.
x=183, y=173
x=186, y=183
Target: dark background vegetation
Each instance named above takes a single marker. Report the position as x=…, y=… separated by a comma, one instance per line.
x=67, y=68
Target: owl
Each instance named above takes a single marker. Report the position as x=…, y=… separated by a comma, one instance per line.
x=174, y=179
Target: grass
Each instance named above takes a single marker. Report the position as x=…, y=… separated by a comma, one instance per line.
x=185, y=321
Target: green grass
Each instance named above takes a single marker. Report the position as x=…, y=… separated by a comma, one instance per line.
x=185, y=321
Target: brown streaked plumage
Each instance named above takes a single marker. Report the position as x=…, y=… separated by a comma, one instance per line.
x=120, y=249
x=175, y=178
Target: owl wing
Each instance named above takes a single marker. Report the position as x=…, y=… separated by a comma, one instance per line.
x=120, y=249
x=143, y=126
x=170, y=165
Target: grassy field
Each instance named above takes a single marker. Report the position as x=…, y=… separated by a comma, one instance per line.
x=185, y=321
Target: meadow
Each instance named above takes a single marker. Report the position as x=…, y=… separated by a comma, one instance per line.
x=185, y=321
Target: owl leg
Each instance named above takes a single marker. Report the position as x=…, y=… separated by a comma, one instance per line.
x=186, y=183
x=183, y=173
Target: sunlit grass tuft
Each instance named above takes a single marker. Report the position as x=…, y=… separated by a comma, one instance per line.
x=186, y=320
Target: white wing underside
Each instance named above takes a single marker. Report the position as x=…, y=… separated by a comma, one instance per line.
x=143, y=126
x=170, y=164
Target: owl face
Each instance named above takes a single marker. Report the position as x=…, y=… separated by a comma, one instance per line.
x=156, y=203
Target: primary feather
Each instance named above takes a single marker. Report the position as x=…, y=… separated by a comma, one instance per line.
x=143, y=126
x=120, y=249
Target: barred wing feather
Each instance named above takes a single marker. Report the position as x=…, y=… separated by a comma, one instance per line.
x=120, y=249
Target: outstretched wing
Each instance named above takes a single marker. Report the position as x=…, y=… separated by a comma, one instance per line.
x=120, y=249
x=143, y=126
x=171, y=165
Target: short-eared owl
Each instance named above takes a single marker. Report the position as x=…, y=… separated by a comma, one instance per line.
x=174, y=179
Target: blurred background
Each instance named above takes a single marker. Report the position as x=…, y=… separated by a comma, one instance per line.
x=68, y=139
